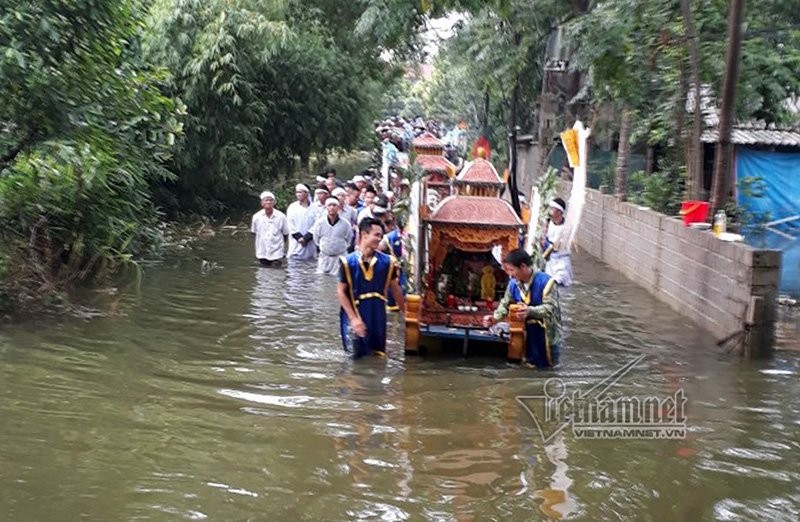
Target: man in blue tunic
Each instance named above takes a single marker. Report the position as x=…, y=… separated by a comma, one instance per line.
x=542, y=315
x=365, y=279
x=393, y=244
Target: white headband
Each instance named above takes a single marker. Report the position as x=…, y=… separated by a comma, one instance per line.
x=554, y=204
x=300, y=188
x=268, y=195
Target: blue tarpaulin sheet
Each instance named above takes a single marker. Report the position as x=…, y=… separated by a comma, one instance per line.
x=779, y=175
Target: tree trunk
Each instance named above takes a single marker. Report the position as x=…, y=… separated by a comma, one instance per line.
x=685, y=133
x=721, y=185
x=305, y=163
x=621, y=178
x=580, y=7
x=649, y=159
x=694, y=185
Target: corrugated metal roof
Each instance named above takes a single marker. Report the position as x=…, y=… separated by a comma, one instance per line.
x=749, y=136
x=751, y=132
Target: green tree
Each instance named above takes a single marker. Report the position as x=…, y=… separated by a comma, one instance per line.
x=501, y=45
x=620, y=45
x=85, y=129
x=264, y=82
x=639, y=60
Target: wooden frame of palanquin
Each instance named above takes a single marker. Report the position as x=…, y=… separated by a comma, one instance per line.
x=467, y=237
x=468, y=234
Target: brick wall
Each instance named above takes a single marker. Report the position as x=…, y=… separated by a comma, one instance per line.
x=719, y=285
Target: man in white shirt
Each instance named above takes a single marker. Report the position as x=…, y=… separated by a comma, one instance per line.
x=369, y=201
x=318, y=205
x=271, y=229
x=360, y=182
x=347, y=212
x=332, y=234
x=354, y=197
x=300, y=248
x=331, y=184
x=556, y=253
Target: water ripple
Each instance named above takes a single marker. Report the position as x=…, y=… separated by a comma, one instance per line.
x=226, y=396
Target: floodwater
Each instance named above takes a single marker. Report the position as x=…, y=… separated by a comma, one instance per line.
x=219, y=391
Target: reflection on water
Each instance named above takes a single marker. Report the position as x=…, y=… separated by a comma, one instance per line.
x=556, y=502
x=224, y=395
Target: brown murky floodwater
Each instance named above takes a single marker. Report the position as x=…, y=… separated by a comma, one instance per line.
x=223, y=394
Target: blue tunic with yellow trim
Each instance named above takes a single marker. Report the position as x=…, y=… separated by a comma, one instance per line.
x=394, y=240
x=538, y=347
x=367, y=286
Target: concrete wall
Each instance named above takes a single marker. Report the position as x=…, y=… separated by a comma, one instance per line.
x=718, y=284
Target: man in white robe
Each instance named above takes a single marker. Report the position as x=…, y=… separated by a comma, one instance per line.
x=345, y=211
x=556, y=254
x=270, y=229
x=348, y=213
x=332, y=234
x=299, y=215
x=318, y=205
x=369, y=201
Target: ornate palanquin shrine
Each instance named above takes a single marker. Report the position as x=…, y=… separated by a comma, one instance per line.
x=436, y=169
x=467, y=234
x=426, y=144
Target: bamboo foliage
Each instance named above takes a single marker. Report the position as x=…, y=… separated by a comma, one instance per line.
x=264, y=82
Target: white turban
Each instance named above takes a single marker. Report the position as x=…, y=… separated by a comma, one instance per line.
x=338, y=191
x=268, y=195
x=300, y=188
x=331, y=201
x=359, y=179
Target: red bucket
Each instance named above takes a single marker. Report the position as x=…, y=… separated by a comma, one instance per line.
x=694, y=212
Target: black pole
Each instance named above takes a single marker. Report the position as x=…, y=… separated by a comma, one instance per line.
x=512, y=149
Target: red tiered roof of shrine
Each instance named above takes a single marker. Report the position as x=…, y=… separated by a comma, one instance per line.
x=471, y=210
x=479, y=171
x=430, y=163
x=426, y=140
